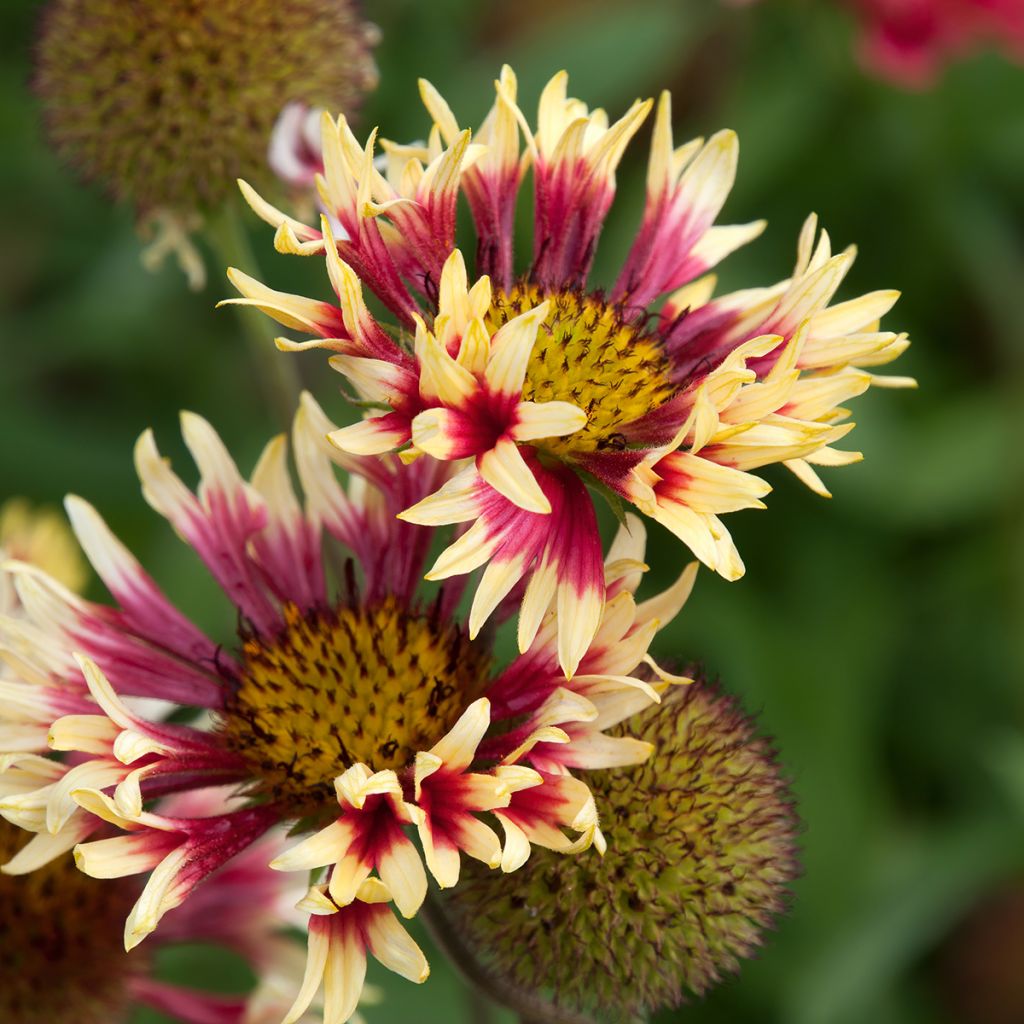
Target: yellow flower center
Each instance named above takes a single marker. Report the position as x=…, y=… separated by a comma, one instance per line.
x=62, y=942
x=372, y=685
x=588, y=355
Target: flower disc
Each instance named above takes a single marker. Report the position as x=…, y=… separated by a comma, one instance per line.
x=61, y=943
x=352, y=685
x=590, y=354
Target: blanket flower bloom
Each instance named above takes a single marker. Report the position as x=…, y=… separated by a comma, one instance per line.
x=702, y=852
x=535, y=382
x=351, y=708
x=41, y=537
x=60, y=937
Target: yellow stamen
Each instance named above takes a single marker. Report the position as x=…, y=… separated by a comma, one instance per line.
x=587, y=354
x=372, y=685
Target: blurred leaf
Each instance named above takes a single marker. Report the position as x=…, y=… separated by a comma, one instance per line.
x=933, y=878
x=945, y=464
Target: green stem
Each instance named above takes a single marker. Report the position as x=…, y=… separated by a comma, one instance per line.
x=480, y=1007
x=278, y=374
x=530, y=1007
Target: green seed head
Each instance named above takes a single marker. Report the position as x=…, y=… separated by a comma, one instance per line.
x=166, y=103
x=701, y=851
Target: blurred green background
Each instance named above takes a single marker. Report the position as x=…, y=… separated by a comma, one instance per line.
x=879, y=636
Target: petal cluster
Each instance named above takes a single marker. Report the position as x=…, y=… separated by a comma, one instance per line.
x=910, y=41
x=354, y=707
x=179, y=807
x=737, y=382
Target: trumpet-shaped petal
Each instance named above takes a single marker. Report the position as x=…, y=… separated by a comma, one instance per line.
x=367, y=836
x=448, y=797
x=339, y=940
x=557, y=553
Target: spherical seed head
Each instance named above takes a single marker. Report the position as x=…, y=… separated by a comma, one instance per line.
x=589, y=354
x=701, y=850
x=62, y=943
x=352, y=684
x=166, y=104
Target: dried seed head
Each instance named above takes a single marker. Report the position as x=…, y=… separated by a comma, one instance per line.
x=166, y=104
x=701, y=851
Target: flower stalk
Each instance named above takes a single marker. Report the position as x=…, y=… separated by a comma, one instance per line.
x=528, y=1006
x=279, y=378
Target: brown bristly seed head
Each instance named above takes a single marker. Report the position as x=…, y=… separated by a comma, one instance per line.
x=701, y=851
x=166, y=104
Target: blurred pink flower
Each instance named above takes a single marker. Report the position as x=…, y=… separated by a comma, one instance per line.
x=910, y=41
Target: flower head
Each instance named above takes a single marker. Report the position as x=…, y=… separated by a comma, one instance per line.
x=165, y=104
x=40, y=537
x=60, y=940
x=701, y=852
x=48, y=915
x=537, y=382
x=351, y=707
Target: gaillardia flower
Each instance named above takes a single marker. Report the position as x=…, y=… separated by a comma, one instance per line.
x=64, y=958
x=359, y=713
x=165, y=104
x=701, y=852
x=536, y=383
x=40, y=537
